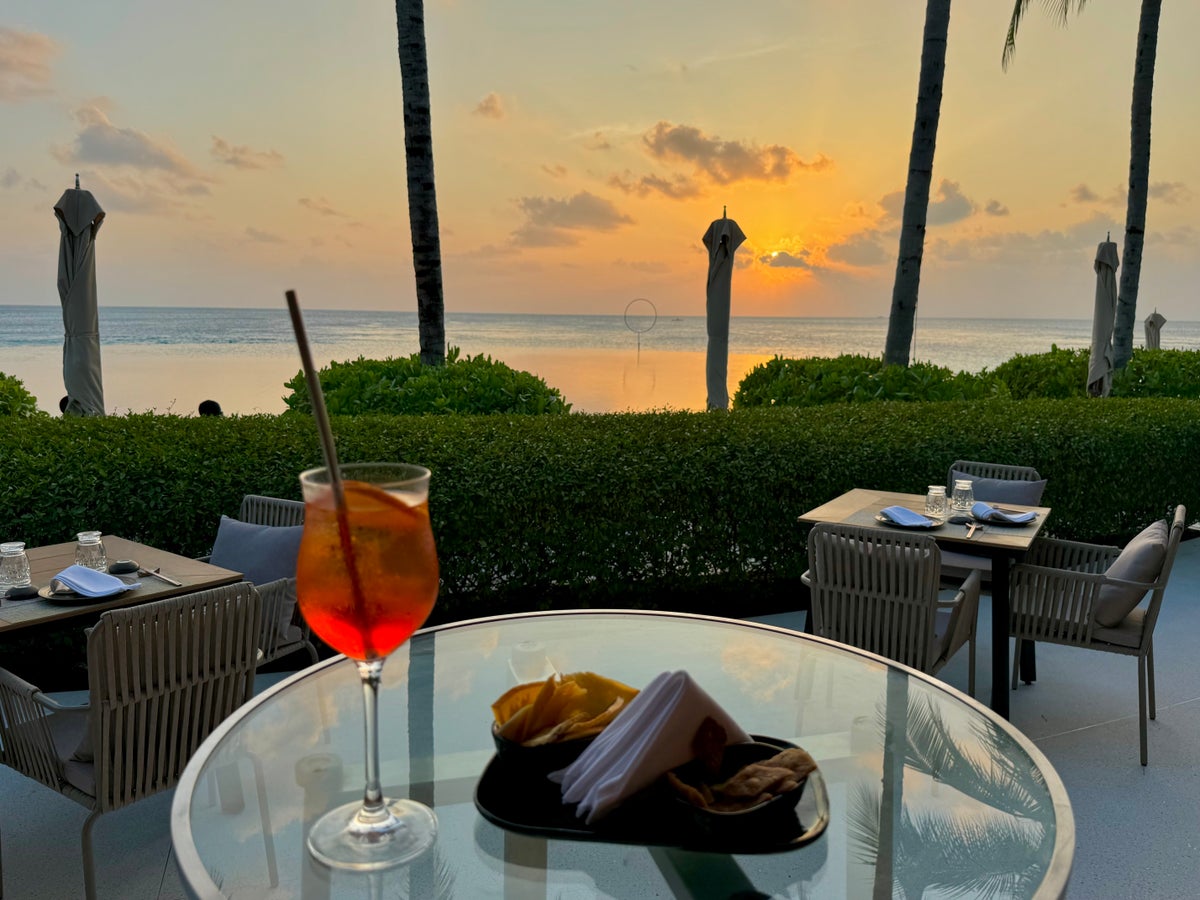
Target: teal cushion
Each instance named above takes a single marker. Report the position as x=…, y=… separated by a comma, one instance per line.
x=1141, y=560
x=1003, y=490
x=261, y=553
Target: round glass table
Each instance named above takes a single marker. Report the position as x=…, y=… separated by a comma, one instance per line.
x=929, y=792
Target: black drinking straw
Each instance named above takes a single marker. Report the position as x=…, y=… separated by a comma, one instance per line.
x=318, y=401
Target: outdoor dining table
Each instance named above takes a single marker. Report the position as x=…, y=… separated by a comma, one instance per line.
x=1003, y=544
x=47, y=561
x=924, y=786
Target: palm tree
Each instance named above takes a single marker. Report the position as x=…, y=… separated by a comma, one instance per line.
x=1139, y=158
x=422, y=195
x=916, y=191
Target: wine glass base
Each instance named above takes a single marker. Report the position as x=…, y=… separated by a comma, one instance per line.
x=348, y=838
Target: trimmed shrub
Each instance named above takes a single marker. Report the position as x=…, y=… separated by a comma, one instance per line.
x=474, y=385
x=15, y=401
x=850, y=378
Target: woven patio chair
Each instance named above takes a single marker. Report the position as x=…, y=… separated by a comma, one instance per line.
x=878, y=591
x=263, y=546
x=161, y=677
x=991, y=483
x=1090, y=596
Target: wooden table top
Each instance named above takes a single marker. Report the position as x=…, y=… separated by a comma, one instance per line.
x=860, y=506
x=46, y=562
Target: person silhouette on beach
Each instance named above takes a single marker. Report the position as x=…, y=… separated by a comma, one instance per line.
x=210, y=408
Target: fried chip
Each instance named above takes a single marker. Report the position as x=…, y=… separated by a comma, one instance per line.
x=563, y=707
x=513, y=699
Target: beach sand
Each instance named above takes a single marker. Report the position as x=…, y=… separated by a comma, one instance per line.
x=172, y=380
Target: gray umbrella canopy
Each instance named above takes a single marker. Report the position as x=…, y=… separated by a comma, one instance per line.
x=79, y=218
x=1154, y=323
x=722, y=239
x=1100, y=363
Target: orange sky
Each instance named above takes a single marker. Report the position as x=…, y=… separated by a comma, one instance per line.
x=581, y=153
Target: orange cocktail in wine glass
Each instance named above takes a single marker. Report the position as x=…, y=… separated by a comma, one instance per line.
x=366, y=579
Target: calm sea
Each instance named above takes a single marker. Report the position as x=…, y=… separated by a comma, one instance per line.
x=644, y=350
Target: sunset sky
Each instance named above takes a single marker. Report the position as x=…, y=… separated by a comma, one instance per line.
x=240, y=149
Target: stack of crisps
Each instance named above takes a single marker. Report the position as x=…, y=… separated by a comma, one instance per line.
x=561, y=708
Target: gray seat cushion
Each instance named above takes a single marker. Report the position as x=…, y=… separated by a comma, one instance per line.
x=1003, y=490
x=1127, y=633
x=261, y=553
x=265, y=555
x=1141, y=560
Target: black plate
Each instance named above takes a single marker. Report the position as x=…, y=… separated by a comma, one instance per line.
x=653, y=816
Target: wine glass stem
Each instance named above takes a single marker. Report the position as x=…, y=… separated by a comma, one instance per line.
x=370, y=671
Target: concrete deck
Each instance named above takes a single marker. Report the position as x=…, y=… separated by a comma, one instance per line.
x=1138, y=829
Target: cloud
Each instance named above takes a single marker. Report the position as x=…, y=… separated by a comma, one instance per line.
x=490, y=107
x=11, y=178
x=553, y=223
x=135, y=192
x=598, y=141
x=264, y=237
x=678, y=187
x=1171, y=192
x=242, y=157
x=321, y=207
x=947, y=204
x=782, y=259
x=555, y=171
x=1074, y=245
x=1081, y=193
x=862, y=249
x=25, y=58
x=726, y=162
x=102, y=143
x=995, y=208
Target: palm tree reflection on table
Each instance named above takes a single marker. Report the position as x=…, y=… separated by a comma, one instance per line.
x=993, y=855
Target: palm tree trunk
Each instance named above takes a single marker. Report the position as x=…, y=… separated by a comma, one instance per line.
x=422, y=196
x=916, y=191
x=1139, y=181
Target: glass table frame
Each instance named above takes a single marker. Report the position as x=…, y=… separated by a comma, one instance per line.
x=899, y=750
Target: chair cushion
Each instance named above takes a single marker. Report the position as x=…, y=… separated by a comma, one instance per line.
x=1127, y=633
x=1003, y=490
x=286, y=610
x=261, y=553
x=1141, y=560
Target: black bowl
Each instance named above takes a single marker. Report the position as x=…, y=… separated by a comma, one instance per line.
x=542, y=759
x=772, y=815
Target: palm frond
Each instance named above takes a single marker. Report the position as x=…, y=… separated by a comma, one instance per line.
x=1060, y=10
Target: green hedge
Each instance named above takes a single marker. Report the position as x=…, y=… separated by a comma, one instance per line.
x=684, y=510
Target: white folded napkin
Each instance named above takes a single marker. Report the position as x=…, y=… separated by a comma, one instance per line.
x=653, y=735
x=985, y=512
x=90, y=583
x=902, y=515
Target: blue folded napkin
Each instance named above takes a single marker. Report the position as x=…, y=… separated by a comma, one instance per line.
x=985, y=512
x=88, y=582
x=901, y=515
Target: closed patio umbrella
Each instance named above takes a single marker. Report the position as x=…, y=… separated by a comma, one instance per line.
x=1154, y=323
x=722, y=239
x=79, y=218
x=1100, y=362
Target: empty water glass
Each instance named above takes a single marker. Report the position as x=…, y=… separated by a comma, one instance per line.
x=935, y=502
x=964, y=497
x=14, y=565
x=89, y=551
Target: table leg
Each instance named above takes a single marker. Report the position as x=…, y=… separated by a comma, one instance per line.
x=1028, y=664
x=1000, y=617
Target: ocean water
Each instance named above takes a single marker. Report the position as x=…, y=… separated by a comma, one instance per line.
x=168, y=359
